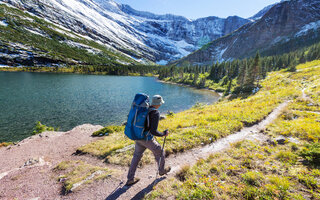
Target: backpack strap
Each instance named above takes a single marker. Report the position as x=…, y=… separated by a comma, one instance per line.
x=148, y=120
x=148, y=117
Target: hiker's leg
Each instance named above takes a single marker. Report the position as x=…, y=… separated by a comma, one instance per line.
x=156, y=149
x=137, y=155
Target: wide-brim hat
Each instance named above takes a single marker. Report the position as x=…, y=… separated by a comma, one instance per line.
x=157, y=100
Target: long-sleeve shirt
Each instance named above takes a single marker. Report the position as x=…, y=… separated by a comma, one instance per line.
x=154, y=118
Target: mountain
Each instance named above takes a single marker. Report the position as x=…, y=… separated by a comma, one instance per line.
x=141, y=36
x=29, y=40
x=283, y=28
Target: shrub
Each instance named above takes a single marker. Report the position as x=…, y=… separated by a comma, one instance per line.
x=311, y=153
x=308, y=180
x=282, y=184
x=5, y=144
x=183, y=173
x=40, y=128
x=294, y=147
x=253, y=178
x=250, y=193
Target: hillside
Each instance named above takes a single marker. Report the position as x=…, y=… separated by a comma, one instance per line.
x=264, y=166
x=285, y=27
x=28, y=40
x=139, y=35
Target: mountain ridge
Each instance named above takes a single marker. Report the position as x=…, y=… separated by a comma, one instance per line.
x=285, y=27
x=137, y=34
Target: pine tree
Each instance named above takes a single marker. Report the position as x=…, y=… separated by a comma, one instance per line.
x=249, y=79
x=195, y=78
x=242, y=73
x=202, y=82
x=256, y=68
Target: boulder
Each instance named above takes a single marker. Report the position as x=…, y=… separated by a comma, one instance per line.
x=281, y=140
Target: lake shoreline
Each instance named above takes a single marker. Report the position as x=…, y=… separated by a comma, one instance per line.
x=186, y=85
x=20, y=69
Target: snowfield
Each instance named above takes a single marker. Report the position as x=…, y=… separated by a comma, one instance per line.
x=3, y=23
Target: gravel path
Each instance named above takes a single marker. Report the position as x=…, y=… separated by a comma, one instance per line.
x=49, y=149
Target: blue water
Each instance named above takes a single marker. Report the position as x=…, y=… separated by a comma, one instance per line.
x=68, y=100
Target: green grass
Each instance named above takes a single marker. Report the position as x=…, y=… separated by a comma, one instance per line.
x=40, y=128
x=226, y=176
x=73, y=172
x=259, y=170
x=108, y=130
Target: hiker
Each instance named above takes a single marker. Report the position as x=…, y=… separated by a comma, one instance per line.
x=149, y=143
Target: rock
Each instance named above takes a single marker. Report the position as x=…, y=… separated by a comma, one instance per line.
x=124, y=123
x=271, y=142
x=162, y=117
x=62, y=180
x=281, y=140
x=310, y=104
x=31, y=161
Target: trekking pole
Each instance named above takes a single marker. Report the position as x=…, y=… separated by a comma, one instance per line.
x=164, y=142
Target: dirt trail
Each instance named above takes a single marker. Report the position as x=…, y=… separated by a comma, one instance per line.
x=26, y=168
x=52, y=148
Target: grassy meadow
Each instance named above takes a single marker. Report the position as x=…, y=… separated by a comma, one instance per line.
x=263, y=170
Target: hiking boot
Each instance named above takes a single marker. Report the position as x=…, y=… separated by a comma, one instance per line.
x=132, y=182
x=166, y=171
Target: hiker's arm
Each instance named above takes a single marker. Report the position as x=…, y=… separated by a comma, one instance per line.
x=154, y=121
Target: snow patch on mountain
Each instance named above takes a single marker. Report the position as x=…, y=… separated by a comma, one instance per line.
x=65, y=33
x=37, y=32
x=305, y=29
x=220, y=55
x=82, y=46
x=261, y=13
x=3, y=23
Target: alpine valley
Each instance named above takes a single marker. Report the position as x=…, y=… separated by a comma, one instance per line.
x=103, y=32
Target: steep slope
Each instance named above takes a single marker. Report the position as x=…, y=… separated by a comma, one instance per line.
x=285, y=27
x=31, y=41
x=158, y=38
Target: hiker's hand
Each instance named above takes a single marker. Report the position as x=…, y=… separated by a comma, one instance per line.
x=166, y=133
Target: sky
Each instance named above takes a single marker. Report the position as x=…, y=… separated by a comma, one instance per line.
x=194, y=9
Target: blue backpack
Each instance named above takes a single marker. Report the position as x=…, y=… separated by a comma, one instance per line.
x=137, y=117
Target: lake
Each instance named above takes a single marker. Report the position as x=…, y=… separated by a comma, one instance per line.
x=68, y=100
